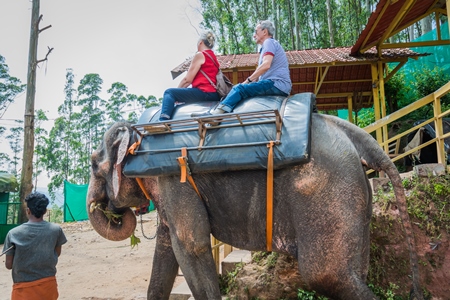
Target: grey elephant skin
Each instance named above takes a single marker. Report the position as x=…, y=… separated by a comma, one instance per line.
x=322, y=210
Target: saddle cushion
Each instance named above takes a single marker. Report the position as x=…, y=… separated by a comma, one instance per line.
x=227, y=148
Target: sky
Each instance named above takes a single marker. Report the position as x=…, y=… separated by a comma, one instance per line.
x=135, y=42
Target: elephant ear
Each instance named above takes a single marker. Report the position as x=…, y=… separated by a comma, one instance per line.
x=121, y=153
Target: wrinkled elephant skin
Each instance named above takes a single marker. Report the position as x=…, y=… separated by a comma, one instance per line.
x=322, y=210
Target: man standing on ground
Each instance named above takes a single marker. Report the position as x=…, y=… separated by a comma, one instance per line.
x=36, y=246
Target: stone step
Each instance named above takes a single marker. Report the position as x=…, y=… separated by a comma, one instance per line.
x=182, y=291
x=235, y=257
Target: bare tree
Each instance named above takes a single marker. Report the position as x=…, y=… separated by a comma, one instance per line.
x=26, y=184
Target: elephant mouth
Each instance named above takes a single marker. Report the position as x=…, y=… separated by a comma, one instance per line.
x=113, y=216
x=112, y=224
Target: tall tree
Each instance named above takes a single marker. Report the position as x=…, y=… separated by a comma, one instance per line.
x=10, y=87
x=117, y=102
x=15, y=139
x=63, y=146
x=91, y=124
x=330, y=23
x=40, y=137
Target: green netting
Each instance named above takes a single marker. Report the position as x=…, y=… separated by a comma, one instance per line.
x=440, y=55
x=75, y=202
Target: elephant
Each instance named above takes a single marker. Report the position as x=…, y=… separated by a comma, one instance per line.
x=321, y=212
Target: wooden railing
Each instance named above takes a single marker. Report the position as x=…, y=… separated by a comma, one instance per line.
x=388, y=143
x=220, y=250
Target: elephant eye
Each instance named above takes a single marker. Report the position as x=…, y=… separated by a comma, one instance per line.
x=94, y=167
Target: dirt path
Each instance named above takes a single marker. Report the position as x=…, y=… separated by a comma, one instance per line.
x=93, y=268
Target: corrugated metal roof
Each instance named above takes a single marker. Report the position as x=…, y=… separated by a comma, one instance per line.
x=346, y=76
x=404, y=12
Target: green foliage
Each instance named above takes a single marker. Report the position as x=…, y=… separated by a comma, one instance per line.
x=426, y=82
x=428, y=203
x=10, y=87
x=56, y=215
x=298, y=24
x=227, y=282
x=388, y=294
x=8, y=183
x=365, y=117
x=267, y=258
x=134, y=241
x=397, y=91
x=305, y=295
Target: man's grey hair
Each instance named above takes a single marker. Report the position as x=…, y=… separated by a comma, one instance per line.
x=266, y=24
x=208, y=39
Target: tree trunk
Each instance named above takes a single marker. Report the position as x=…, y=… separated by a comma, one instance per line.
x=297, y=27
x=426, y=24
x=26, y=185
x=330, y=23
x=411, y=33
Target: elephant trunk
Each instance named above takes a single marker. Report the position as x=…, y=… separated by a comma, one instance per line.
x=111, y=225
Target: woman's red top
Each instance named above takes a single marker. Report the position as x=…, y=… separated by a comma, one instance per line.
x=200, y=81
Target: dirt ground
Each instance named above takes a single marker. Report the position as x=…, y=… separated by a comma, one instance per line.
x=93, y=268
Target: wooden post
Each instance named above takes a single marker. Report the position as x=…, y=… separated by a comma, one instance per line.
x=28, y=147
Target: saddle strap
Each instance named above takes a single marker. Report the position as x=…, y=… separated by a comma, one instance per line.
x=269, y=198
x=185, y=171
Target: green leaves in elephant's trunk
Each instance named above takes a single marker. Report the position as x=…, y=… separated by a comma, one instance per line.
x=111, y=225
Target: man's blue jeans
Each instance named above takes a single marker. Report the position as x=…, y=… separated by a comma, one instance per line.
x=183, y=95
x=244, y=91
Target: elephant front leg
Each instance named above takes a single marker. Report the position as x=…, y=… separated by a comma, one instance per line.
x=190, y=234
x=164, y=268
x=198, y=267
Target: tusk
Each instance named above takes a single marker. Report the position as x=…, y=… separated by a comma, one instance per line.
x=92, y=207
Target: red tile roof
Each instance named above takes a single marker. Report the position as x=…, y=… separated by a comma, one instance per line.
x=347, y=75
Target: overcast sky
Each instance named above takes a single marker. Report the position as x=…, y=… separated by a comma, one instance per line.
x=135, y=42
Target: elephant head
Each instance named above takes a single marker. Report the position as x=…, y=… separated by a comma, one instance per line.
x=110, y=195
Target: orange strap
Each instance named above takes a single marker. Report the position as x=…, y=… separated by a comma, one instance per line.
x=269, y=196
x=182, y=162
x=131, y=150
x=185, y=172
x=141, y=185
x=134, y=146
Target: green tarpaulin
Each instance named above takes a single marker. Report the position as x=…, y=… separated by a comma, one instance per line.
x=75, y=202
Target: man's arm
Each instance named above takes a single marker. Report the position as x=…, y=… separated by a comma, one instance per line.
x=9, y=261
x=262, y=68
x=58, y=250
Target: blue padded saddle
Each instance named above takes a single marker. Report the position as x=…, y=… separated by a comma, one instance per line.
x=239, y=142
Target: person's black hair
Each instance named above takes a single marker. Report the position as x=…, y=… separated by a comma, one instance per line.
x=37, y=203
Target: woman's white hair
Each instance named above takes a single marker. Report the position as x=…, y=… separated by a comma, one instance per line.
x=207, y=37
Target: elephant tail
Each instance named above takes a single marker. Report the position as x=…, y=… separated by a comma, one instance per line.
x=373, y=156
